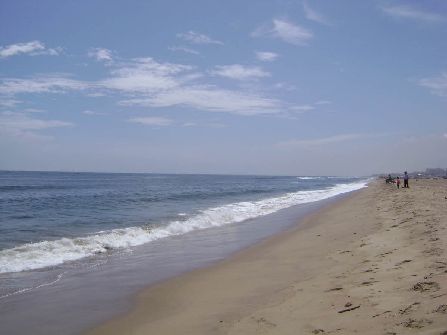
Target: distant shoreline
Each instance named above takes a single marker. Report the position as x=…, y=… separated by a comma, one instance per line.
x=185, y=173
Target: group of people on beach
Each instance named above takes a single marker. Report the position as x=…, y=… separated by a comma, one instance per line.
x=397, y=180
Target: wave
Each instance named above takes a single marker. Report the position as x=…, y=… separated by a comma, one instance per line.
x=309, y=178
x=51, y=253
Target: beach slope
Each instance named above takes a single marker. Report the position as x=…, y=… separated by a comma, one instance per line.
x=374, y=262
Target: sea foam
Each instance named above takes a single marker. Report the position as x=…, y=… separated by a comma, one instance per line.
x=51, y=253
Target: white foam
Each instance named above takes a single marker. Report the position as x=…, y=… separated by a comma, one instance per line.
x=27, y=289
x=50, y=253
x=309, y=178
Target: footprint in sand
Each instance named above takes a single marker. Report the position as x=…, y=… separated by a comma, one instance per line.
x=439, y=265
x=430, y=286
x=409, y=308
x=369, y=282
x=434, y=251
x=441, y=309
x=264, y=322
x=403, y=262
x=412, y=323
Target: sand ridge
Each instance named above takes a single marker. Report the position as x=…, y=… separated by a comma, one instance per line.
x=373, y=263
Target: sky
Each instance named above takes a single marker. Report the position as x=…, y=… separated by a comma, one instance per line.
x=280, y=87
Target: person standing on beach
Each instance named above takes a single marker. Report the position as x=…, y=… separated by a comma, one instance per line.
x=406, y=180
x=398, y=182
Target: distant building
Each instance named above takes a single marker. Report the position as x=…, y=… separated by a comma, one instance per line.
x=436, y=172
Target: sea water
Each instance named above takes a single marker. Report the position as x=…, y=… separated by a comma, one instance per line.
x=78, y=242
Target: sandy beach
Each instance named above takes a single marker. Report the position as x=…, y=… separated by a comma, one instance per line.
x=372, y=263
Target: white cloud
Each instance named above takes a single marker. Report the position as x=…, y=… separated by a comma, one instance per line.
x=286, y=31
x=302, y=109
x=49, y=51
x=407, y=12
x=96, y=94
x=152, y=121
x=211, y=99
x=23, y=122
x=189, y=124
x=9, y=103
x=313, y=15
x=146, y=82
x=323, y=102
x=438, y=85
x=44, y=84
x=22, y=126
x=145, y=75
x=240, y=72
x=32, y=110
x=101, y=54
x=33, y=48
x=197, y=38
x=184, y=49
x=321, y=141
x=266, y=56
x=21, y=48
x=284, y=86
x=90, y=112
x=54, y=51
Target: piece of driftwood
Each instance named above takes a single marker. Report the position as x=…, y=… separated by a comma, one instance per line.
x=349, y=309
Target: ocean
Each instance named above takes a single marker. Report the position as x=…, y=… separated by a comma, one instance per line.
x=94, y=238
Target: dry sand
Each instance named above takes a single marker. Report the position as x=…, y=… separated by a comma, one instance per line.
x=372, y=263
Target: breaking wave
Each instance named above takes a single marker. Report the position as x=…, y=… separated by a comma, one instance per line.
x=51, y=253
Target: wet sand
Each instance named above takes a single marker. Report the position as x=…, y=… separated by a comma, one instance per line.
x=372, y=263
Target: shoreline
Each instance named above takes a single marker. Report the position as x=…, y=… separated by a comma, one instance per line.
x=105, y=287
x=328, y=274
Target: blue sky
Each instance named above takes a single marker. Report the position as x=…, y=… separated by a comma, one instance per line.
x=245, y=87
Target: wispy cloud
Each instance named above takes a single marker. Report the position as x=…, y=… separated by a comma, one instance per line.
x=42, y=84
x=152, y=121
x=21, y=48
x=240, y=72
x=23, y=126
x=285, y=86
x=145, y=75
x=313, y=15
x=323, y=102
x=198, y=38
x=438, y=85
x=146, y=82
x=90, y=112
x=321, y=141
x=49, y=52
x=212, y=99
x=161, y=85
x=302, y=108
x=184, y=49
x=32, y=110
x=286, y=31
x=96, y=94
x=32, y=48
x=8, y=103
x=189, y=124
x=266, y=56
x=205, y=125
x=407, y=12
x=23, y=122
x=101, y=54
